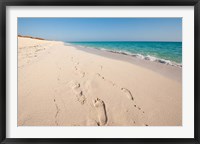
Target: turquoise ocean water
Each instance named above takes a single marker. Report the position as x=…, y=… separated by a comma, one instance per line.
x=163, y=52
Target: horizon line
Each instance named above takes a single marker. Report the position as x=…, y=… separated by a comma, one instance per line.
x=28, y=36
x=122, y=41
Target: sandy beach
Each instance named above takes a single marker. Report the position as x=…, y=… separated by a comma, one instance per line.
x=62, y=85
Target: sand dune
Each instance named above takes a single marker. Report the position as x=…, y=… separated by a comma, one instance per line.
x=60, y=85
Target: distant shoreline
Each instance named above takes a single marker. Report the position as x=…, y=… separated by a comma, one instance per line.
x=31, y=37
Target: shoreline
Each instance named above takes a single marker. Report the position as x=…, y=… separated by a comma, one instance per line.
x=171, y=71
x=127, y=52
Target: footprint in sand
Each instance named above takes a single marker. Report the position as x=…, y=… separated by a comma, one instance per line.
x=103, y=78
x=75, y=68
x=127, y=93
x=99, y=75
x=101, y=67
x=100, y=108
x=81, y=98
x=82, y=74
x=79, y=72
x=57, y=111
x=75, y=86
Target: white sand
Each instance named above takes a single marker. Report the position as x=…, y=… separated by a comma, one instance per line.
x=65, y=86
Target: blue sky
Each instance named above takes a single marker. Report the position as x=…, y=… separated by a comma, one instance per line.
x=102, y=29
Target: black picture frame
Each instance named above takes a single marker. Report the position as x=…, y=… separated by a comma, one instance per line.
x=5, y=3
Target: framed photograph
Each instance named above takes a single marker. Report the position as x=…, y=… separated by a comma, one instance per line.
x=99, y=71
